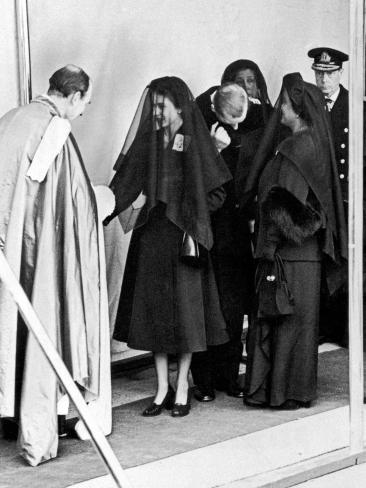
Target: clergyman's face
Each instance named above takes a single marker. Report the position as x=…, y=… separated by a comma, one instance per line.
x=165, y=112
x=246, y=79
x=76, y=103
x=328, y=81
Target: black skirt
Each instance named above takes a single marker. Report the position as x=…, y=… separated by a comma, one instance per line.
x=283, y=353
x=165, y=305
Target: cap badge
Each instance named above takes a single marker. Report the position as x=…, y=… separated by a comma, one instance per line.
x=324, y=57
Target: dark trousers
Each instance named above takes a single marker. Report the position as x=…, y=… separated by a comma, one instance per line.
x=218, y=367
x=333, y=315
x=333, y=324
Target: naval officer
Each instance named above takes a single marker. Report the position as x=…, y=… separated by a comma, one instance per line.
x=328, y=68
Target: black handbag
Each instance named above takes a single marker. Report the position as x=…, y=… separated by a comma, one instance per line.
x=274, y=297
x=190, y=252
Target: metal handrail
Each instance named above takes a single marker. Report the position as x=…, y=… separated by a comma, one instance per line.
x=36, y=328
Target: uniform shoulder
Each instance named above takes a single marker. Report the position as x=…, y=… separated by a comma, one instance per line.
x=343, y=94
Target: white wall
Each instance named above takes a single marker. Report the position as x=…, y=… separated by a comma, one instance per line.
x=8, y=57
x=123, y=44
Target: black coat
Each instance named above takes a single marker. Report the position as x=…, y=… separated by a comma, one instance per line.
x=232, y=250
x=339, y=119
x=230, y=226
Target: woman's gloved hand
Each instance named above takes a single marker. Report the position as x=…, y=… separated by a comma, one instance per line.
x=139, y=202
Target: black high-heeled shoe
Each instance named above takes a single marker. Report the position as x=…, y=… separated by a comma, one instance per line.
x=155, y=409
x=182, y=409
x=9, y=429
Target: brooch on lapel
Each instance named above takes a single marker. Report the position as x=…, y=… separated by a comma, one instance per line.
x=181, y=142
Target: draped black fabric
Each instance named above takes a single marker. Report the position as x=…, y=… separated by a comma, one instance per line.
x=184, y=186
x=319, y=172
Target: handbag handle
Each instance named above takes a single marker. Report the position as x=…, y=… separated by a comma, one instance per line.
x=276, y=273
x=280, y=269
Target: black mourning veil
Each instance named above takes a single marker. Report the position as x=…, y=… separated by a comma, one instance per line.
x=169, y=161
x=320, y=171
x=232, y=70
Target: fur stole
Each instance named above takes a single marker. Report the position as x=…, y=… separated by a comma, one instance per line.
x=294, y=221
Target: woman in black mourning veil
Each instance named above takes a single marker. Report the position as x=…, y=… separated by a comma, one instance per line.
x=168, y=179
x=247, y=74
x=300, y=230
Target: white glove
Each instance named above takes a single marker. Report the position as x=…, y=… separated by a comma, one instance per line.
x=220, y=137
x=105, y=200
x=139, y=202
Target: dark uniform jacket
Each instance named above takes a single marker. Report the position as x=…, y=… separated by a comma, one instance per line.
x=339, y=119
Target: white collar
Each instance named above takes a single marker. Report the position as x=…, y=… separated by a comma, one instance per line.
x=44, y=95
x=335, y=95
